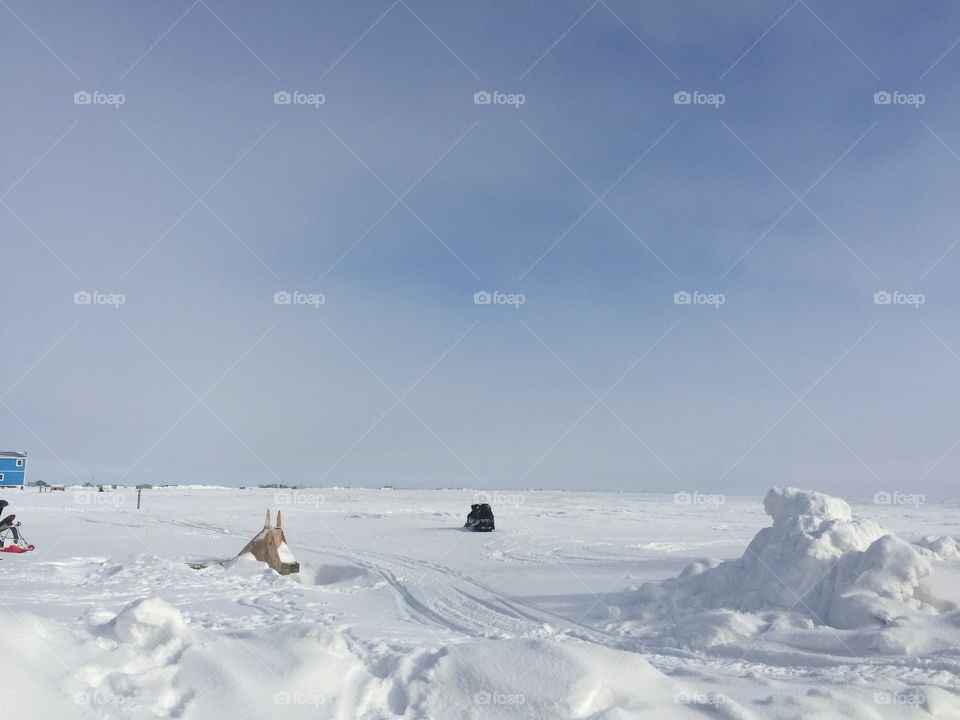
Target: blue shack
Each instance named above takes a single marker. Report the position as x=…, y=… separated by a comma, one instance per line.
x=13, y=468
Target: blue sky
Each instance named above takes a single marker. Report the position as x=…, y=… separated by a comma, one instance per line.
x=396, y=199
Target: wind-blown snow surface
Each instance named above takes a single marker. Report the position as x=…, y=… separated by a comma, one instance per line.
x=580, y=605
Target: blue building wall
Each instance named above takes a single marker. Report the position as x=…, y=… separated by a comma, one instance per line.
x=13, y=475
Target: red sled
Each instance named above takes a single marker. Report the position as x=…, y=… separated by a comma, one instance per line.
x=17, y=548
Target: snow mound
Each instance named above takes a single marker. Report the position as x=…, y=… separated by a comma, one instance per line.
x=347, y=575
x=946, y=548
x=784, y=504
x=129, y=667
x=246, y=565
x=816, y=561
x=147, y=623
x=520, y=679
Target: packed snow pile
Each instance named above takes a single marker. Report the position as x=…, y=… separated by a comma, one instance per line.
x=398, y=621
x=128, y=666
x=147, y=623
x=534, y=679
x=816, y=561
x=945, y=547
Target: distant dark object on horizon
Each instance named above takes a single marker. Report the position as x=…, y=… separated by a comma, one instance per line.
x=480, y=518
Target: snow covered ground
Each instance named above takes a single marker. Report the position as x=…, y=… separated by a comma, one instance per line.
x=574, y=608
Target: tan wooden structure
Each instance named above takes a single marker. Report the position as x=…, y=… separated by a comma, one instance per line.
x=270, y=546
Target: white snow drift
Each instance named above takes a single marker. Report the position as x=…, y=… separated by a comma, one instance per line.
x=397, y=614
x=816, y=564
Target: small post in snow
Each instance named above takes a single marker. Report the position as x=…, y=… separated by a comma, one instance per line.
x=141, y=488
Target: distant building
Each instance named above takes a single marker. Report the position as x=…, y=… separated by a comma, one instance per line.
x=13, y=468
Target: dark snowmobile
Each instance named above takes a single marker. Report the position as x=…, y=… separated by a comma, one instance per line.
x=480, y=518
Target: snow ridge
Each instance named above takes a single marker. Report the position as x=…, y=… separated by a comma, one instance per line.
x=815, y=561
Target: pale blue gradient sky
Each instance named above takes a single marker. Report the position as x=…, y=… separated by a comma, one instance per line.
x=199, y=377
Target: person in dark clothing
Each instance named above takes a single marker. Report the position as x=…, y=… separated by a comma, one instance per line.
x=6, y=523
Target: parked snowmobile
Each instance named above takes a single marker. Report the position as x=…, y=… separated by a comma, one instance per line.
x=480, y=518
x=11, y=541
